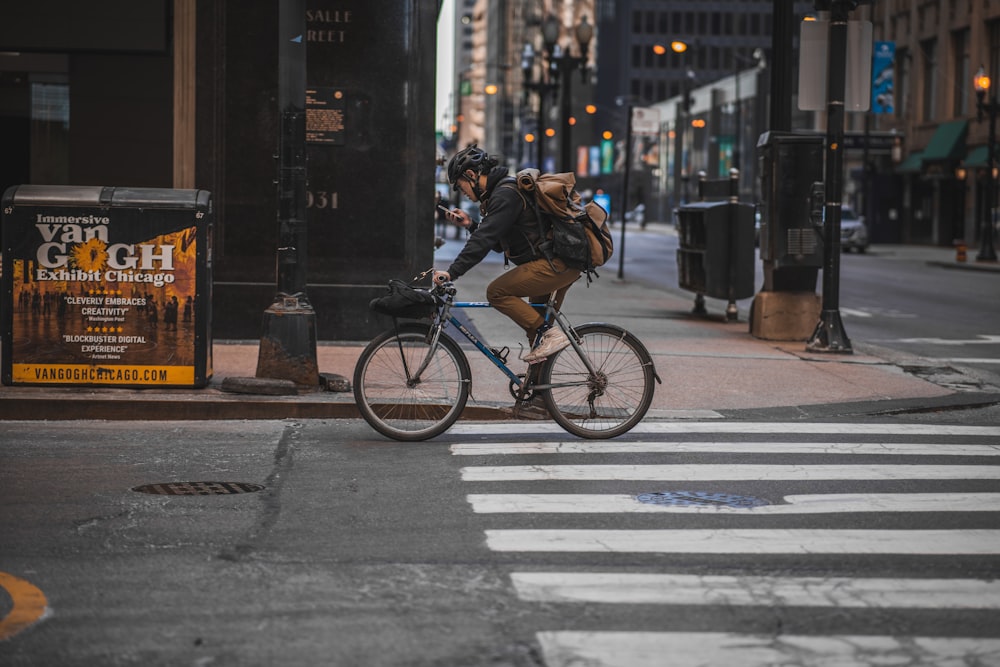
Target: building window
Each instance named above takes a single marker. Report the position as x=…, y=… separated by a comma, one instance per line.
x=928, y=108
x=960, y=44
x=902, y=83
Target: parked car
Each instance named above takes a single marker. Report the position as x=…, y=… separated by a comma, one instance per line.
x=853, y=231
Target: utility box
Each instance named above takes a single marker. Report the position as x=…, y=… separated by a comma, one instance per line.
x=716, y=253
x=789, y=166
x=106, y=286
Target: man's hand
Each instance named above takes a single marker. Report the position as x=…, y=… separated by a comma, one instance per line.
x=441, y=277
x=460, y=218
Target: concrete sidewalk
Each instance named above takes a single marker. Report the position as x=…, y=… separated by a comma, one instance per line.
x=710, y=368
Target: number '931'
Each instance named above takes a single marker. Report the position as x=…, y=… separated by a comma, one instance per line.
x=321, y=199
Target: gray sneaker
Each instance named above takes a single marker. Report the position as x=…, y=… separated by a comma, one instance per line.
x=552, y=341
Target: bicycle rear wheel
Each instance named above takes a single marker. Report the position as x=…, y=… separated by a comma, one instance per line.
x=610, y=401
x=405, y=410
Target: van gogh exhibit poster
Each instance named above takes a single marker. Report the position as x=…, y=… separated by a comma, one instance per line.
x=88, y=310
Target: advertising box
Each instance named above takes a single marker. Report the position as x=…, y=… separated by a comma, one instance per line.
x=106, y=286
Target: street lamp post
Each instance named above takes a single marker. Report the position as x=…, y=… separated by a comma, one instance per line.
x=562, y=64
x=758, y=58
x=681, y=152
x=288, y=341
x=987, y=251
x=542, y=87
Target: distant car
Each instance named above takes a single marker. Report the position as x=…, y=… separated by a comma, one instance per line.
x=853, y=231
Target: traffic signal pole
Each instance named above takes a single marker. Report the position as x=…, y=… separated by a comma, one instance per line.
x=829, y=335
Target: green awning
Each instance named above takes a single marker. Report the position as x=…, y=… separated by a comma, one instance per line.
x=976, y=159
x=948, y=142
x=911, y=165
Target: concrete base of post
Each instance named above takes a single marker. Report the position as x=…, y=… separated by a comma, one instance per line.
x=288, y=346
x=784, y=315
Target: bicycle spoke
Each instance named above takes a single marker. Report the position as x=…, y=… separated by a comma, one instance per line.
x=614, y=398
x=402, y=407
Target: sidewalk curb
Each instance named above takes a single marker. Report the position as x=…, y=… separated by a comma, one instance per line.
x=218, y=405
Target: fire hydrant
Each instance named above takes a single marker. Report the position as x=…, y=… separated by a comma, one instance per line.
x=960, y=251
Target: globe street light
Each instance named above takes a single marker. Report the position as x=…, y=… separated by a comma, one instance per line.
x=981, y=82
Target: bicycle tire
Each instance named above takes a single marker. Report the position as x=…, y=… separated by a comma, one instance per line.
x=410, y=413
x=623, y=387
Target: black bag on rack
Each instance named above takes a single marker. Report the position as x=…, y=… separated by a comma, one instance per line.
x=404, y=301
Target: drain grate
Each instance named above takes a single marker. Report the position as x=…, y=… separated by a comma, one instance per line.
x=700, y=499
x=198, y=488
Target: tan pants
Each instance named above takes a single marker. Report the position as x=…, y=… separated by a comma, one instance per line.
x=535, y=281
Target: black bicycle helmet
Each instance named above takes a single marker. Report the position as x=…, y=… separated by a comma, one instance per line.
x=471, y=157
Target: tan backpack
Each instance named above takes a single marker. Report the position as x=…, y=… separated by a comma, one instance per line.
x=578, y=232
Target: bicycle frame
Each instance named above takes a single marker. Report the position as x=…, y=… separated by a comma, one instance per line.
x=445, y=317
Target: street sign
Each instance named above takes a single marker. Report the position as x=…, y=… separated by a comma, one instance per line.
x=814, y=46
x=645, y=121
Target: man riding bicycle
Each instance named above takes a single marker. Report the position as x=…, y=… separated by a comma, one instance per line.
x=509, y=224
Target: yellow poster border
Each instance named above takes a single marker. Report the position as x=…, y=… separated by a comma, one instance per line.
x=103, y=374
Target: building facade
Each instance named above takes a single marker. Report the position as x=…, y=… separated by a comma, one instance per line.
x=185, y=94
x=940, y=194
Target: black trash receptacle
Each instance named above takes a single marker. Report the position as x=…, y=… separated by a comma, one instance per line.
x=715, y=256
x=106, y=286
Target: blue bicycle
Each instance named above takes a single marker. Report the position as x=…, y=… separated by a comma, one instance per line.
x=413, y=381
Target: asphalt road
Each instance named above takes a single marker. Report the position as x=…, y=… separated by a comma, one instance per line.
x=501, y=544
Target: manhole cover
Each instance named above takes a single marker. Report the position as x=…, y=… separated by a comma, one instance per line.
x=198, y=488
x=700, y=499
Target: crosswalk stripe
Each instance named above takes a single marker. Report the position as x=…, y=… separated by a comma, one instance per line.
x=717, y=649
x=979, y=542
x=726, y=472
x=568, y=503
x=660, y=427
x=692, y=589
x=598, y=447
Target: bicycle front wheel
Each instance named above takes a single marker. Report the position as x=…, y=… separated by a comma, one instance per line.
x=399, y=407
x=612, y=399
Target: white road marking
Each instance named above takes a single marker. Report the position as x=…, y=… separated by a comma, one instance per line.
x=969, y=360
x=726, y=472
x=692, y=589
x=744, y=428
x=717, y=649
x=854, y=312
x=600, y=447
x=978, y=542
x=981, y=339
x=568, y=503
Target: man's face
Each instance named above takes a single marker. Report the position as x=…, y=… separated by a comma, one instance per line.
x=464, y=185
